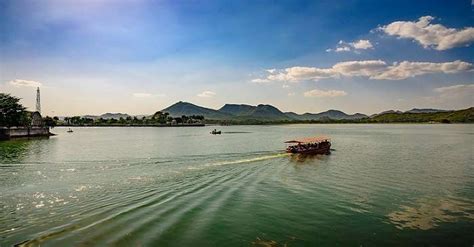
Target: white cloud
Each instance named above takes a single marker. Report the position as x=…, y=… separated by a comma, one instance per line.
x=341, y=49
x=407, y=69
x=342, y=46
x=24, y=83
x=261, y=81
x=359, y=68
x=142, y=95
x=430, y=35
x=291, y=94
x=321, y=93
x=362, y=44
x=206, y=94
x=271, y=70
x=456, y=89
x=285, y=86
x=373, y=69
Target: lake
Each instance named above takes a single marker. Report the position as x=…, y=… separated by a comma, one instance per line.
x=383, y=185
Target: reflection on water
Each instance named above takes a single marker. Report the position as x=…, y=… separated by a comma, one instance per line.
x=428, y=213
x=185, y=187
x=13, y=150
x=307, y=159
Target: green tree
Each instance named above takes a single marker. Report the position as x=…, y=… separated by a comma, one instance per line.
x=12, y=113
x=49, y=121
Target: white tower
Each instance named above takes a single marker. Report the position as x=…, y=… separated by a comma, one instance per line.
x=38, y=100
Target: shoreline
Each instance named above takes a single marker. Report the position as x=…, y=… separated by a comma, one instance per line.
x=24, y=132
x=138, y=125
x=268, y=124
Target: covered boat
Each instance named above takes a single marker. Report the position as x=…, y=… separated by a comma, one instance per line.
x=310, y=145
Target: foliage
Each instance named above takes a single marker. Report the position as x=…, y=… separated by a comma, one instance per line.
x=461, y=116
x=157, y=119
x=50, y=122
x=12, y=113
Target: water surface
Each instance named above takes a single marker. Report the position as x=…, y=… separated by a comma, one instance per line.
x=383, y=185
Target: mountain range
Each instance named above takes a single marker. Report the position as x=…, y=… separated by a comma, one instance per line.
x=259, y=112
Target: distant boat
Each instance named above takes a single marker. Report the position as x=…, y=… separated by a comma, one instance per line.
x=216, y=132
x=69, y=130
x=309, y=145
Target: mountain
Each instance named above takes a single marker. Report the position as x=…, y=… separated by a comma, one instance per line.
x=293, y=115
x=238, y=109
x=386, y=112
x=107, y=115
x=331, y=114
x=248, y=112
x=265, y=112
x=426, y=110
x=188, y=109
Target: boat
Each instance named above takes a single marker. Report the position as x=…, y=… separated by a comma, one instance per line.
x=309, y=145
x=69, y=130
x=216, y=132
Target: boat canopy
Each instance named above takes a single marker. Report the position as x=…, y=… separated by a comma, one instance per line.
x=316, y=139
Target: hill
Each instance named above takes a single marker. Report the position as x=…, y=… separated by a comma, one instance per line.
x=460, y=116
x=107, y=115
x=425, y=110
x=262, y=112
x=238, y=109
x=188, y=109
x=265, y=112
x=331, y=114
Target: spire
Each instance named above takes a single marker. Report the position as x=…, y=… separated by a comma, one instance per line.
x=38, y=100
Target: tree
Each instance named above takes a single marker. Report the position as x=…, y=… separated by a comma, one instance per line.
x=12, y=113
x=49, y=121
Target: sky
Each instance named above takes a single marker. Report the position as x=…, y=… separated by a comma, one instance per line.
x=140, y=56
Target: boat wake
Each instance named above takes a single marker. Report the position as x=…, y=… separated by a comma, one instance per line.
x=240, y=161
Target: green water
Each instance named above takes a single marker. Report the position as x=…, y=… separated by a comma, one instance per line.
x=383, y=185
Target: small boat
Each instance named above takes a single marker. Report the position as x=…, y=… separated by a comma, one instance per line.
x=309, y=145
x=215, y=132
x=69, y=130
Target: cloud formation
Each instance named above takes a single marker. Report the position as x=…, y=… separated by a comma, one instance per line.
x=362, y=44
x=24, y=83
x=373, y=69
x=407, y=69
x=455, y=88
x=206, y=94
x=429, y=35
x=322, y=93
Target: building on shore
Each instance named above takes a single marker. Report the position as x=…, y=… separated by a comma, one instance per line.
x=35, y=128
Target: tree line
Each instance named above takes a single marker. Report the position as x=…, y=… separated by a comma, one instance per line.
x=159, y=118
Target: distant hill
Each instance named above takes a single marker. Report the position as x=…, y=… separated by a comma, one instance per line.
x=331, y=114
x=188, y=109
x=238, y=109
x=460, y=116
x=386, y=112
x=108, y=116
x=426, y=110
x=249, y=114
x=266, y=112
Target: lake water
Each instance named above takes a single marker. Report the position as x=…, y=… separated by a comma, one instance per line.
x=383, y=185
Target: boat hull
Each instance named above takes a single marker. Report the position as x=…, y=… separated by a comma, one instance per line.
x=312, y=151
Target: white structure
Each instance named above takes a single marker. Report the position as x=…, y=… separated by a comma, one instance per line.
x=38, y=100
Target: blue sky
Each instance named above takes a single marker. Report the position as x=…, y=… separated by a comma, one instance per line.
x=96, y=56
